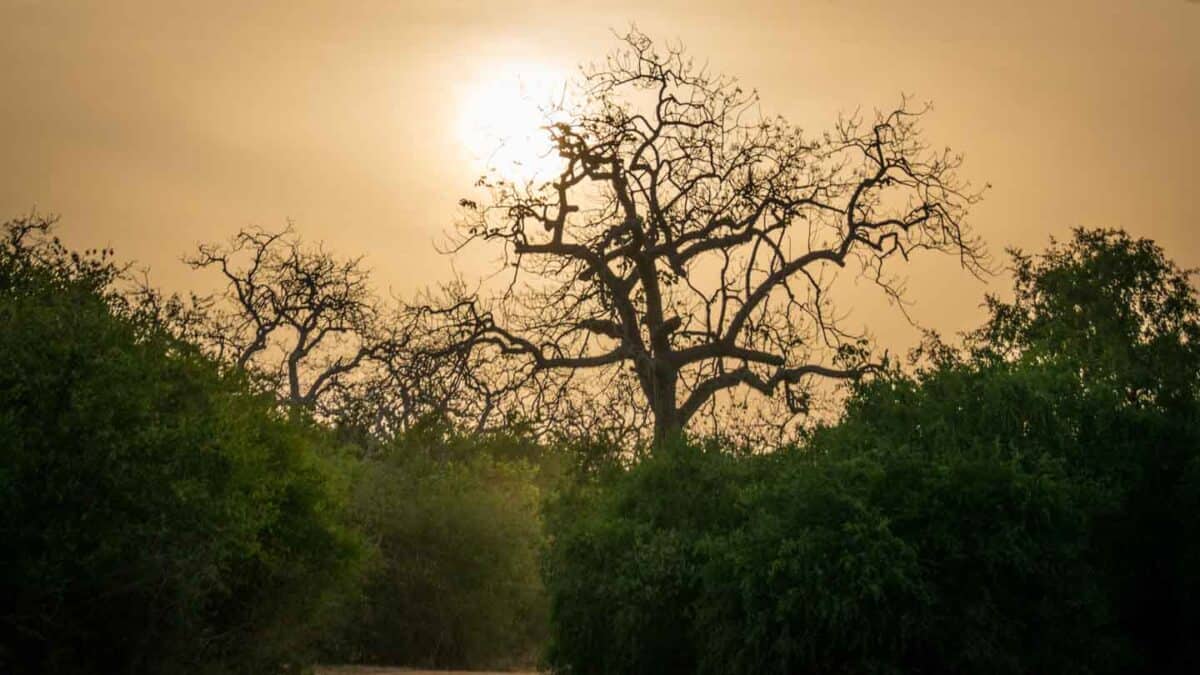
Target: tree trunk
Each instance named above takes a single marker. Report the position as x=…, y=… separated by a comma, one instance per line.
x=661, y=392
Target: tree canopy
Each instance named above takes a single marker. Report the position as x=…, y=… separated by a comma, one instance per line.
x=691, y=243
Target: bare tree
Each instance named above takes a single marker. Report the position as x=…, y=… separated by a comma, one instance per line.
x=412, y=376
x=691, y=243
x=309, y=325
x=299, y=316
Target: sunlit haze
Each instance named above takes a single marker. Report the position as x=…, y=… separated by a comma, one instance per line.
x=503, y=117
x=151, y=126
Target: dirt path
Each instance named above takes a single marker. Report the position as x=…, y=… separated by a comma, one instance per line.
x=370, y=670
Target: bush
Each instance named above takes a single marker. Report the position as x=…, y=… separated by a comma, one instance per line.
x=456, y=533
x=156, y=515
x=806, y=561
x=992, y=566
x=622, y=566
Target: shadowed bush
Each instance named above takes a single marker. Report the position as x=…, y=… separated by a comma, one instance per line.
x=918, y=560
x=156, y=516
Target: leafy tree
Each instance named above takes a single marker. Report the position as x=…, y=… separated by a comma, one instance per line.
x=1124, y=320
x=1111, y=306
x=1092, y=363
x=157, y=516
x=691, y=244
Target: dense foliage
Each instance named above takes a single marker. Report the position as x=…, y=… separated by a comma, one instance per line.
x=1027, y=504
x=928, y=558
x=156, y=516
x=455, y=526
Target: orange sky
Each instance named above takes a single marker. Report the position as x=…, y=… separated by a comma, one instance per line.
x=150, y=126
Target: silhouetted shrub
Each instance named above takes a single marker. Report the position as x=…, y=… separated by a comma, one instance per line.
x=156, y=516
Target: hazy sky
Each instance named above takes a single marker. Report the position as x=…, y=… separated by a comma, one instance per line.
x=150, y=126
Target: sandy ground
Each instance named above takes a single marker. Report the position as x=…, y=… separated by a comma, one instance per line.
x=367, y=670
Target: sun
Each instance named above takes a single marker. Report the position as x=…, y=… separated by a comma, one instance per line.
x=503, y=118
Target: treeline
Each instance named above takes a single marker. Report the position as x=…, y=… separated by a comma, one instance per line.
x=1022, y=500
x=163, y=510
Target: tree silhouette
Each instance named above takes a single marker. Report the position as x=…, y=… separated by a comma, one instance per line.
x=304, y=317
x=309, y=326
x=693, y=242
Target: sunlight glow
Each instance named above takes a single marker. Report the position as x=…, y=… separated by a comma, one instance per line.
x=503, y=118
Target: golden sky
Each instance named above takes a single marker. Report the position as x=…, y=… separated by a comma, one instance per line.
x=153, y=125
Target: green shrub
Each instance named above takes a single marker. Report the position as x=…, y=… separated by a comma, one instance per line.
x=622, y=565
x=156, y=516
x=804, y=561
x=456, y=532
x=985, y=560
